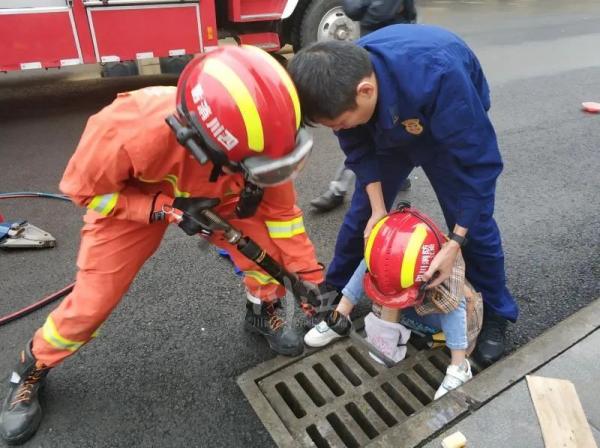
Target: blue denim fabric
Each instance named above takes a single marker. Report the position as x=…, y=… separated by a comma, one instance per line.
x=453, y=324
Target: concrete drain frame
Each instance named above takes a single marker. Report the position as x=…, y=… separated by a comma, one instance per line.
x=339, y=397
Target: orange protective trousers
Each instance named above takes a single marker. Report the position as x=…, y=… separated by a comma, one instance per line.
x=128, y=162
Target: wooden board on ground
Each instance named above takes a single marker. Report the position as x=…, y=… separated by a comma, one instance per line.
x=559, y=411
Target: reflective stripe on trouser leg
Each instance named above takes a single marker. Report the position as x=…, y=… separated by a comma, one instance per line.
x=266, y=289
x=111, y=253
x=261, y=278
x=261, y=284
x=53, y=337
x=286, y=229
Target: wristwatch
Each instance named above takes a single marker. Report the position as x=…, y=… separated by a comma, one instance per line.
x=461, y=240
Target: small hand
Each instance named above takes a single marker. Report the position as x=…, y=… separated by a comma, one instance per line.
x=376, y=216
x=442, y=263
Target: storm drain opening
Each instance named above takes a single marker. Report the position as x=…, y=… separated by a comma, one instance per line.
x=290, y=400
x=328, y=380
x=380, y=409
x=339, y=396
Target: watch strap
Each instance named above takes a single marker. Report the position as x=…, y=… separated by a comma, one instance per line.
x=461, y=240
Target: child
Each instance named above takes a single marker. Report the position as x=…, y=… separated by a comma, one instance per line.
x=398, y=251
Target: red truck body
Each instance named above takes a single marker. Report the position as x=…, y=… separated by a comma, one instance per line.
x=58, y=33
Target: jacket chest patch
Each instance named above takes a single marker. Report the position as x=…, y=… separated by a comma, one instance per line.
x=413, y=126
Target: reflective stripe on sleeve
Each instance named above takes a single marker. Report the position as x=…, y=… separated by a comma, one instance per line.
x=286, y=229
x=173, y=180
x=261, y=278
x=52, y=337
x=104, y=203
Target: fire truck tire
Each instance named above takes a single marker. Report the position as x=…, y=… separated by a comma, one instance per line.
x=123, y=68
x=295, y=23
x=174, y=64
x=325, y=19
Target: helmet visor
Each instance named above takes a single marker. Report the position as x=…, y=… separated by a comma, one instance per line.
x=266, y=172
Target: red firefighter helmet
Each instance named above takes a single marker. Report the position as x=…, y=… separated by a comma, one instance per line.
x=239, y=106
x=399, y=251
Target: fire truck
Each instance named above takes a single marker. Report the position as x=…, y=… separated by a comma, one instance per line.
x=37, y=34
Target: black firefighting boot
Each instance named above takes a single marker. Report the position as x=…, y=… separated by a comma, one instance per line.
x=283, y=338
x=21, y=411
x=491, y=341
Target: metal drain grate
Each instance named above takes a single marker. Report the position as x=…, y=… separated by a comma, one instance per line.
x=340, y=397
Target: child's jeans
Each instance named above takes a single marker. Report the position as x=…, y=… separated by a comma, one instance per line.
x=453, y=324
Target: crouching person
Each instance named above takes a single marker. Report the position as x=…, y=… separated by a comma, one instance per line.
x=232, y=144
x=398, y=251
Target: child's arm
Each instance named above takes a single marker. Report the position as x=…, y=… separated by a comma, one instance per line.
x=354, y=289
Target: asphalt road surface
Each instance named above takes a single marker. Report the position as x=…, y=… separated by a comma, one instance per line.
x=163, y=371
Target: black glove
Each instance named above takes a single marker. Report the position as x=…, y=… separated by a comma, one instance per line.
x=320, y=298
x=306, y=292
x=329, y=296
x=193, y=221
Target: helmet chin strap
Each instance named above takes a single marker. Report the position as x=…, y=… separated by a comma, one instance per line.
x=250, y=197
x=202, y=152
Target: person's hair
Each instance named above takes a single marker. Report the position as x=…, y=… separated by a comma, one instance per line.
x=326, y=75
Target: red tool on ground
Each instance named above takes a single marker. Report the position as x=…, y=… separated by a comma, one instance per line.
x=591, y=106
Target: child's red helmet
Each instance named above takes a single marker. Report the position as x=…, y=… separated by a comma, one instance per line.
x=398, y=252
x=243, y=108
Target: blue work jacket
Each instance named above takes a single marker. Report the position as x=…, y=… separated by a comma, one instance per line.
x=432, y=100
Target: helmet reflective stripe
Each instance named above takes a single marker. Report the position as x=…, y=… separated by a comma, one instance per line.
x=243, y=99
x=285, y=229
x=52, y=337
x=285, y=78
x=371, y=240
x=409, y=261
x=104, y=203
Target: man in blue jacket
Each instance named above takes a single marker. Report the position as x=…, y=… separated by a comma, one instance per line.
x=407, y=96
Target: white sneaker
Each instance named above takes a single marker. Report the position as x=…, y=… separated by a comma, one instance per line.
x=333, y=327
x=455, y=376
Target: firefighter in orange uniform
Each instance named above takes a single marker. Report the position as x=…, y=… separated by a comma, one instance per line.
x=232, y=142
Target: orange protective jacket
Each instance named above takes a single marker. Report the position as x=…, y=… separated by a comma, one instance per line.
x=128, y=153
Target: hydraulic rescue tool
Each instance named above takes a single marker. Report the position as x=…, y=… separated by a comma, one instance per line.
x=23, y=235
x=309, y=298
